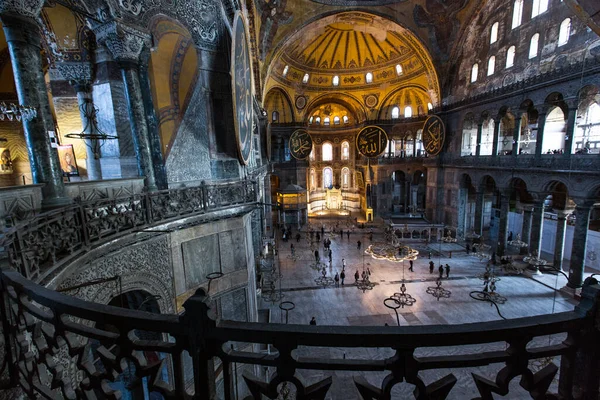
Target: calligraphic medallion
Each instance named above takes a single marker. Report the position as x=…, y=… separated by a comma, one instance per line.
x=300, y=144
x=241, y=77
x=434, y=134
x=371, y=141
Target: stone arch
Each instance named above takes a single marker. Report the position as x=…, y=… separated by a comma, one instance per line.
x=344, y=99
x=278, y=100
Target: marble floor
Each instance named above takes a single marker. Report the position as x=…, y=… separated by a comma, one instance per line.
x=346, y=305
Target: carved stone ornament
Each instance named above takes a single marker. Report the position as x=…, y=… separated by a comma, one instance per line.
x=124, y=42
x=26, y=8
x=77, y=73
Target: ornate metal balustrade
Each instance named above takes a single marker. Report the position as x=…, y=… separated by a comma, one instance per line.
x=38, y=247
x=553, y=162
x=64, y=347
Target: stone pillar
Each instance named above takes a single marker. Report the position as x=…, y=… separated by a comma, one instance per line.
x=526, y=229
x=570, y=133
x=559, y=244
x=578, y=250
x=503, y=227
x=516, y=135
x=478, y=225
x=24, y=45
x=125, y=44
x=496, y=134
x=158, y=163
x=79, y=75
x=478, y=143
x=537, y=225
x=539, y=137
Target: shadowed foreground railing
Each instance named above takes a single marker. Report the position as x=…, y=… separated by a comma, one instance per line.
x=62, y=346
x=40, y=246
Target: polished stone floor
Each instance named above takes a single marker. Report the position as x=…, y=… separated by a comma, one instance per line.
x=346, y=305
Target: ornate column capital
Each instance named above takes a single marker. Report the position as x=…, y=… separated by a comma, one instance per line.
x=24, y=8
x=563, y=214
x=78, y=74
x=124, y=42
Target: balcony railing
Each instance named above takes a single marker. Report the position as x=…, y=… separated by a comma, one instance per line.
x=62, y=347
x=555, y=162
x=39, y=246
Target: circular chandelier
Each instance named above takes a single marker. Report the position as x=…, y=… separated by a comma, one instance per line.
x=391, y=252
x=91, y=132
x=482, y=250
x=489, y=275
x=517, y=242
x=364, y=283
x=438, y=291
x=448, y=237
x=535, y=261
x=14, y=111
x=403, y=298
x=324, y=280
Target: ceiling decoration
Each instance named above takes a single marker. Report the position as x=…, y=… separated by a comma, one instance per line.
x=415, y=97
x=353, y=3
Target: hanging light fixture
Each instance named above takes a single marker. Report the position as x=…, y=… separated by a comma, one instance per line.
x=14, y=111
x=93, y=136
x=364, y=283
x=438, y=291
x=403, y=298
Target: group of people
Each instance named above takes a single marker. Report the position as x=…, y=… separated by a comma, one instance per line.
x=440, y=269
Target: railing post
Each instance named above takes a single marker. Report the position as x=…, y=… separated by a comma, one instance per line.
x=204, y=195
x=198, y=320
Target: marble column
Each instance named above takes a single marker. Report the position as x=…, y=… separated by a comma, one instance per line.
x=526, y=229
x=24, y=45
x=503, y=226
x=516, y=135
x=152, y=122
x=478, y=224
x=79, y=75
x=126, y=44
x=579, y=248
x=539, y=137
x=570, y=131
x=496, y=135
x=559, y=244
x=478, y=143
x=537, y=225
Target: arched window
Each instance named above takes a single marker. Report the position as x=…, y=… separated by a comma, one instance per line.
x=318, y=120
x=345, y=178
x=336, y=80
x=510, y=57
x=336, y=120
x=474, y=72
x=407, y=112
x=275, y=116
x=326, y=121
x=369, y=77
x=564, y=32
x=399, y=69
x=494, y=33
x=533, y=45
x=345, y=151
x=285, y=70
x=395, y=112
x=345, y=118
x=305, y=79
x=310, y=120
x=491, y=65
x=327, y=178
x=539, y=7
x=313, y=180
x=517, y=13
x=327, y=152
x=429, y=106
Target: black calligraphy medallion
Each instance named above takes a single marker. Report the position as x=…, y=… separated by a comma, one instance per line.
x=434, y=134
x=241, y=76
x=371, y=141
x=300, y=144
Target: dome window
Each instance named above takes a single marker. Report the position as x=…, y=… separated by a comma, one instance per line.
x=345, y=118
x=429, y=106
x=305, y=79
x=326, y=121
x=408, y=112
x=335, y=81
x=310, y=120
x=399, y=70
x=395, y=112
x=285, y=70
x=369, y=77
x=336, y=120
x=318, y=121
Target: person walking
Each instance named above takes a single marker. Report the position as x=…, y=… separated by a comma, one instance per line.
x=410, y=262
x=431, y=266
x=441, y=269
x=358, y=245
x=348, y=234
x=297, y=237
x=468, y=247
x=341, y=233
x=343, y=264
x=342, y=277
x=330, y=257
x=337, y=280
x=322, y=230
x=356, y=276
x=447, y=270
x=313, y=321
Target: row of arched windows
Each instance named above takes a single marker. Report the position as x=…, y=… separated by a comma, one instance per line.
x=408, y=111
x=328, y=180
x=335, y=81
x=538, y=7
x=327, y=120
x=327, y=152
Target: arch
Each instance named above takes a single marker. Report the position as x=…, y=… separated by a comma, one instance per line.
x=557, y=194
x=469, y=136
x=533, y=45
x=277, y=99
x=401, y=97
x=510, y=56
x=419, y=177
x=494, y=32
x=488, y=184
x=564, y=32
x=346, y=100
x=327, y=178
x=465, y=181
x=555, y=128
x=587, y=131
x=326, y=151
x=555, y=185
x=345, y=150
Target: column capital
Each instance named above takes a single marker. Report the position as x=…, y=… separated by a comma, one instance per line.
x=78, y=74
x=23, y=8
x=124, y=42
x=563, y=214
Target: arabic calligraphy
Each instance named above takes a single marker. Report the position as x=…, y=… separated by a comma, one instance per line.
x=300, y=144
x=371, y=141
x=433, y=135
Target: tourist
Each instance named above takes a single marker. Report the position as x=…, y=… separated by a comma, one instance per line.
x=323, y=230
x=431, y=266
x=342, y=277
x=447, y=270
x=358, y=245
x=468, y=248
x=317, y=255
x=368, y=273
x=371, y=237
x=337, y=280
x=356, y=276
x=313, y=321
x=410, y=262
x=298, y=237
x=348, y=234
x=330, y=257
x=341, y=233
x=343, y=264
x=441, y=269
